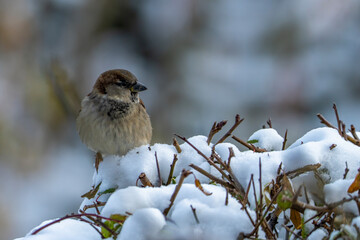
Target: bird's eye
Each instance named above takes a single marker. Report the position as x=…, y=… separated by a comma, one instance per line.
x=120, y=84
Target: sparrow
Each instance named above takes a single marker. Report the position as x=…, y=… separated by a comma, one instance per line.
x=113, y=119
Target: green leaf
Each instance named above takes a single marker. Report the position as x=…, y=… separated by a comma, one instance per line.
x=110, y=190
x=252, y=141
x=284, y=204
x=118, y=217
x=106, y=233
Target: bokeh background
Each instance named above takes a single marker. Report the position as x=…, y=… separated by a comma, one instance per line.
x=202, y=61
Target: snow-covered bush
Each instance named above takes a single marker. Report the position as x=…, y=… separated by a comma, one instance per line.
x=205, y=190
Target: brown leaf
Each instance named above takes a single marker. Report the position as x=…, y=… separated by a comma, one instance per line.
x=355, y=185
x=98, y=160
x=198, y=185
x=91, y=194
x=287, y=184
x=295, y=218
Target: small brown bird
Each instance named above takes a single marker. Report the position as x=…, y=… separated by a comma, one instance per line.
x=113, y=119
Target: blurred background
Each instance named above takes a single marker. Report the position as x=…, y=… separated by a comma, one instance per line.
x=202, y=61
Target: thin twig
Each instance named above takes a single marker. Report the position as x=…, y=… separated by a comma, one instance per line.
x=212, y=177
x=194, y=213
x=176, y=145
x=346, y=170
x=158, y=169
x=172, y=167
x=269, y=123
x=324, y=121
x=204, y=156
x=353, y=132
x=144, y=180
x=313, y=217
x=103, y=225
x=289, y=230
x=306, y=194
x=231, y=155
x=238, y=120
x=184, y=174
x=227, y=197
x=260, y=186
x=233, y=178
x=96, y=204
x=285, y=140
x=248, y=145
x=294, y=173
x=343, y=130
x=301, y=206
x=215, y=129
x=265, y=213
x=328, y=124
x=93, y=226
x=255, y=196
x=337, y=118
x=297, y=194
x=79, y=216
x=248, y=190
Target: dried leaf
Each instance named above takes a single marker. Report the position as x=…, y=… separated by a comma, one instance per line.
x=267, y=195
x=98, y=160
x=295, y=218
x=355, y=185
x=302, y=170
x=287, y=184
x=198, y=185
x=91, y=194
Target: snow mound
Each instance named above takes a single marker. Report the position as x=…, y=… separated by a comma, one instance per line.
x=214, y=219
x=268, y=139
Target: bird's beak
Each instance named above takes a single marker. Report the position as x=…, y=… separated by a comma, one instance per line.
x=138, y=87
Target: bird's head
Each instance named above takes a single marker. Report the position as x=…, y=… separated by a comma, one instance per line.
x=120, y=85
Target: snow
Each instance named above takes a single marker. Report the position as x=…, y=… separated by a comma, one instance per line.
x=145, y=206
x=337, y=191
x=317, y=234
x=67, y=229
x=148, y=222
x=268, y=139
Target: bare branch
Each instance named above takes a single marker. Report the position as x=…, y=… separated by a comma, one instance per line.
x=194, y=213
x=184, y=174
x=301, y=206
x=172, y=167
x=158, y=169
x=337, y=118
x=238, y=120
x=353, y=132
x=346, y=170
x=285, y=140
x=78, y=216
x=324, y=121
x=215, y=129
x=144, y=180
x=176, y=145
x=294, y=173
x=212, y=177
x=248, y=145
